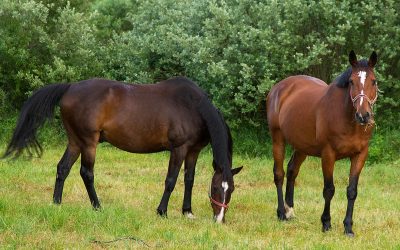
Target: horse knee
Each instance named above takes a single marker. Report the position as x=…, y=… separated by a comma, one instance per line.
x=189, y=181
x=290, y=172
x=62, y=172
x=279, y=175
x=86, y=174
x=351, y=193
x=329, y=192
x=170, y=184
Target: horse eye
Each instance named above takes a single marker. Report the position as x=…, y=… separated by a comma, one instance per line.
x=351, y=82
x=373, y=82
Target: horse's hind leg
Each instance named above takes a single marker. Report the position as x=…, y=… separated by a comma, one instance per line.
x=71, y=154
x=175, y=163
x=278, y=150
x=87, y=174
x=190, y=165
x=292, y=172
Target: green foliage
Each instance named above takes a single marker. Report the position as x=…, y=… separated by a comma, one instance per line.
x=384, y=146
x=235, y=50
x=43, y=43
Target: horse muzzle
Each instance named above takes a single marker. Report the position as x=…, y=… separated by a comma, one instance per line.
x=365, y=118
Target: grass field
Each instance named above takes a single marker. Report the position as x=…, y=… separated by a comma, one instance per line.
x=130, y=187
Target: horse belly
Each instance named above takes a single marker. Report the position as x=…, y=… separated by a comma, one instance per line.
x=136, y=141
x=298, y=125
x=302, y=140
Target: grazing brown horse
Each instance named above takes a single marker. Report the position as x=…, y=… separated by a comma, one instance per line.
x=328, y=121
x=174, y=115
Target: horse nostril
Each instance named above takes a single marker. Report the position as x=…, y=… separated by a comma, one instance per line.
x=360, y=118
x=366, y=117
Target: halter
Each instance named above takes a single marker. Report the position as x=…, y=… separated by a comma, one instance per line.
x=216, y=202
x=371, y=103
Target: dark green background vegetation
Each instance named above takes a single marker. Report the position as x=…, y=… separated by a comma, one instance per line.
x=235, y=50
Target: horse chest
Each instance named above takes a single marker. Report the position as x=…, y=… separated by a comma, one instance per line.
x=347, y=145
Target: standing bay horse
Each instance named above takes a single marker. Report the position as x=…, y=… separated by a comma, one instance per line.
x=174, y=115
x=329, y=121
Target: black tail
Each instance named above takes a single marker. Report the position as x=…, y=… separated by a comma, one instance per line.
x=36, y=110
x=221, y=139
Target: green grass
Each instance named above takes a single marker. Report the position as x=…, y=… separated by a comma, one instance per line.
x=130, y=188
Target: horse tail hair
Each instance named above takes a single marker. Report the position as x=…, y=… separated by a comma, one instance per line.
x=220, y=135
x=35, y=111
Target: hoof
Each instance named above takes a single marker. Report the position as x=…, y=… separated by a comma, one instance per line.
x=96, y=207
x=349, y=233
x=162, y=213
x=281, y=215
x=326, y=227
x=189, y=215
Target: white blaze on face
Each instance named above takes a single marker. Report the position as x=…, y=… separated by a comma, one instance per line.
x=362, y=98
x=225, y=186
x=220, y=216
x=363, y=76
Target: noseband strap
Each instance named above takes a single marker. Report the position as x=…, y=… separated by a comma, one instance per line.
x=217, y=202
x=371, y=103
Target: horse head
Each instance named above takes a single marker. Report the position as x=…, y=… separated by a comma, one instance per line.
x=221, y=189
x=363, y=87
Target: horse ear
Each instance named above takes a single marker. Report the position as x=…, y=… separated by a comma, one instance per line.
x=372, y=59
x=236, y=170
x=353, y=58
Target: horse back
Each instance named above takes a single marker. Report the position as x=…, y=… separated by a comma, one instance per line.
x=134, y=117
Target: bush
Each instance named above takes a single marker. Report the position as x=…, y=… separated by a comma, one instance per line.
x=38, y=48
x=235, y=50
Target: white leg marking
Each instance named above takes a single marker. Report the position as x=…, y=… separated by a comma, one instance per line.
x=289, y=211
x=189, y=215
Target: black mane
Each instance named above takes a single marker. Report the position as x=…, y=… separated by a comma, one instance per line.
x=220, y=137
x=342, y=81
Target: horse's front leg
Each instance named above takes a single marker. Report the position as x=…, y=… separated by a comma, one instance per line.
x=175, y=163
x=328, y=165
x=357, y=164
x=190, y=166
